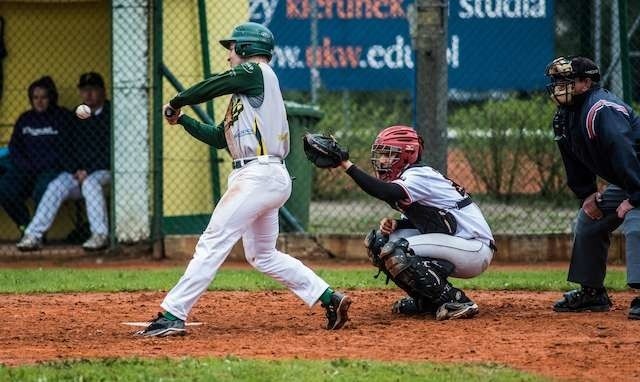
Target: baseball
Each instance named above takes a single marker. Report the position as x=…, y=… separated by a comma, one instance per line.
x=83, y=111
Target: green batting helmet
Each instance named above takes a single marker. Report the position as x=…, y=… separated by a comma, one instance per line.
x=252, y=39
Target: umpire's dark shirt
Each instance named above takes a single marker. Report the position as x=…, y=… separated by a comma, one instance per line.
x=602, y=138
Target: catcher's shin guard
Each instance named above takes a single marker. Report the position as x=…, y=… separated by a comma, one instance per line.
x=374, y=242
x=420, y=277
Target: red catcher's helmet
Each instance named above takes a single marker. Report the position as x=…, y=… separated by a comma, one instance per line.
x=394, y=149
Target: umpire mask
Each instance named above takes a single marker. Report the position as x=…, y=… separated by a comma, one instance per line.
x=563, y=72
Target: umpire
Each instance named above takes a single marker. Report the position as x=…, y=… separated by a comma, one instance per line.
x=598, y=136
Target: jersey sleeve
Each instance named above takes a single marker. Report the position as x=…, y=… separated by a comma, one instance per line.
x=416, y=185
x=242, y=79
x=612, y=132
x=389, y=192
x=209, y=134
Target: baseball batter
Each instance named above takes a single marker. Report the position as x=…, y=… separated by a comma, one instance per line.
x=256, y=134
x=442, y=232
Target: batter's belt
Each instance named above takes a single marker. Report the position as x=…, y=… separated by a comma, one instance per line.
x=239, y=163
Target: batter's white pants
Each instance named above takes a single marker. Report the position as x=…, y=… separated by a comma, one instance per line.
x=248, y=209
x=64, y=187
x=471, y=257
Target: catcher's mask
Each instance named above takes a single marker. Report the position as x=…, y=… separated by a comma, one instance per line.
x=563, y=72
x=252, y=39
x=394, y=149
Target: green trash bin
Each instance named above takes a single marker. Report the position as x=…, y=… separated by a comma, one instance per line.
x=295, y=214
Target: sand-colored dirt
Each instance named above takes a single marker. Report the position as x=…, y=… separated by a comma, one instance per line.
x=514, y=328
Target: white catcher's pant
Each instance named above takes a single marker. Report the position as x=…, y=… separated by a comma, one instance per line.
x=248, y=209
x=470, y=257
x=66, y=187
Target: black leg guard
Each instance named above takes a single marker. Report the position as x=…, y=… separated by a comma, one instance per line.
x=420, y=277
x=413, y=306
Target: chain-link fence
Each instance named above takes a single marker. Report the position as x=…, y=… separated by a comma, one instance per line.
x=348, y=65
x=53, y=57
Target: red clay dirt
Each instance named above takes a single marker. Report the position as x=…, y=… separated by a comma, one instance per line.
x=517, y=329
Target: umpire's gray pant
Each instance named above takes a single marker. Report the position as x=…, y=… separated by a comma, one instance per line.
x=64, y=187
x=592, y=238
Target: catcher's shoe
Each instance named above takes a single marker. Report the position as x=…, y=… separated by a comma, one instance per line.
x=163, y=327
x=411, y=306
x=337, y=311
x=583, y=300
x=29, y=243
x=634, y=311
x=453, y=310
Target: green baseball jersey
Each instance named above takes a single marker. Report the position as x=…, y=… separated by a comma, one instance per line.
x=255, y=122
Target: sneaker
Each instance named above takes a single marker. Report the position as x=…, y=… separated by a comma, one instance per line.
x=96, y=242
x=29, y=243
x=453, y=310
x=584, y=299
x=634, y=311
x=337, y=310
x=163, y=327
x=411, y=306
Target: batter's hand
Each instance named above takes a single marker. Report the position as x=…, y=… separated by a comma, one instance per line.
x=388, y=225
x=171, y=114
x=590, y=206
x=623, y=208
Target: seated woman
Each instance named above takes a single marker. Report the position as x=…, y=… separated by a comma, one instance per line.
x=35, y=151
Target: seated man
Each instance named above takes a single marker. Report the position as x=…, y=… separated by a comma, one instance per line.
x=442, y=233
x=34, y=151
x=87, y=171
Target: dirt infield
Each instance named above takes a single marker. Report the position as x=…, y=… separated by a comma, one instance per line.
x=514, y=328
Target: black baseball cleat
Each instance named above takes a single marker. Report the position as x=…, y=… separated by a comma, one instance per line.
x=583, y=300
x=413, y=306
x=634, y=310
x=337, y=311
x=163, y=327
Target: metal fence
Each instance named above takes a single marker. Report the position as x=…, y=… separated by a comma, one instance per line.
x=349, y=66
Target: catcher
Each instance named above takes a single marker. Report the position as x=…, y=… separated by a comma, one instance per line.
x=442, y=232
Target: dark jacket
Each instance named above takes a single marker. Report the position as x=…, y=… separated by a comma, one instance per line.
x=91, y=139
x=36, y=142
x=601, y=138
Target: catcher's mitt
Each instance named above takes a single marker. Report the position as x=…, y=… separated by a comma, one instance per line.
x=323, y=151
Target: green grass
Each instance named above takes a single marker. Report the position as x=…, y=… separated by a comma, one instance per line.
x=234, y=369
x=57, y=280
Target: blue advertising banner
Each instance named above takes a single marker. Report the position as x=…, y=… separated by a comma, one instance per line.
x=366, y=44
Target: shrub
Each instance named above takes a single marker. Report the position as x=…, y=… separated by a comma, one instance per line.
x=509, y=145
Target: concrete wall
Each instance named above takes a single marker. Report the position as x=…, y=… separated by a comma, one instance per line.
x=520, y=248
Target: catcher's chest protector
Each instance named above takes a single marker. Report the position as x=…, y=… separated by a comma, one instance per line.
x=429, y=219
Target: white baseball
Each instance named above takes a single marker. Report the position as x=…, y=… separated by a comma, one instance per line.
x=83, y=111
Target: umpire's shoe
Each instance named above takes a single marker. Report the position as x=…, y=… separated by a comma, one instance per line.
x=583, y=300
x=634, y=311
x=163, y=327
x=337, y=311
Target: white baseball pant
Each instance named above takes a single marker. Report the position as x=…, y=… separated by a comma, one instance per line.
x=470, y=256
x=248, y=209
x=64, y=187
